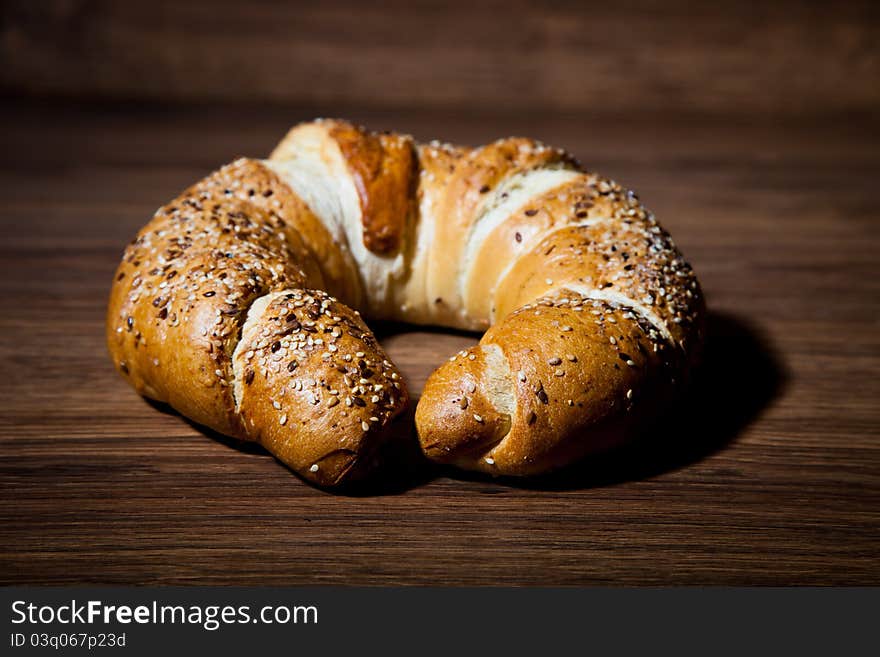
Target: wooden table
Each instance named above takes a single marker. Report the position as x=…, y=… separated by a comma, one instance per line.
x=769, y=476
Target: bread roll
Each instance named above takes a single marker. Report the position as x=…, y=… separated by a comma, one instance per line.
x=235, y=304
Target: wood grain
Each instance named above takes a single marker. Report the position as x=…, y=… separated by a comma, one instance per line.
x=788, y=57
x=767, y=475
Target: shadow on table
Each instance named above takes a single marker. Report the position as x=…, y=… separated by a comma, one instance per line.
x=739, y=377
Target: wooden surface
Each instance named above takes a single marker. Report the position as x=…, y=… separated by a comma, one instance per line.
x=786, y=56
x=768, y=475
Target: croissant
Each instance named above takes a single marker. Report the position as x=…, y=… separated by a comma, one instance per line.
x=236, y=303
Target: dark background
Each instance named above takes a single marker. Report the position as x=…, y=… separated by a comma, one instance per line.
x=721, y=58
x=749, y=128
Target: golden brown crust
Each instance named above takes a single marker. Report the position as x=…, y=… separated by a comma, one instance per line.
x=180, y=299
x=315, y=387
x=598, y=316
x=218, y=306
x=180, y=295
x=568, y=203
x=457, y=421
x=383, y=167
x=470, y=180
x=326, y=265
x=617, y=250
x=581, y=371
x=481, y=169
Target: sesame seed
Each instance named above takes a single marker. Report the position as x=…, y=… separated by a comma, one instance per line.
x=365, y=426
x=314, y=467
x=282, y=420
x=629, y=394
x=554, y=361
x=471, y=387
x=571, y=357
x=471, y=356
x=478, y=418
x=566, y=328
x=332, y=401
x=276, y=405
x=559, y=372
x=490, y=460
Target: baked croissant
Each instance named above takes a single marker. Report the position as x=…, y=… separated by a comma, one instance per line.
x=235, y=304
